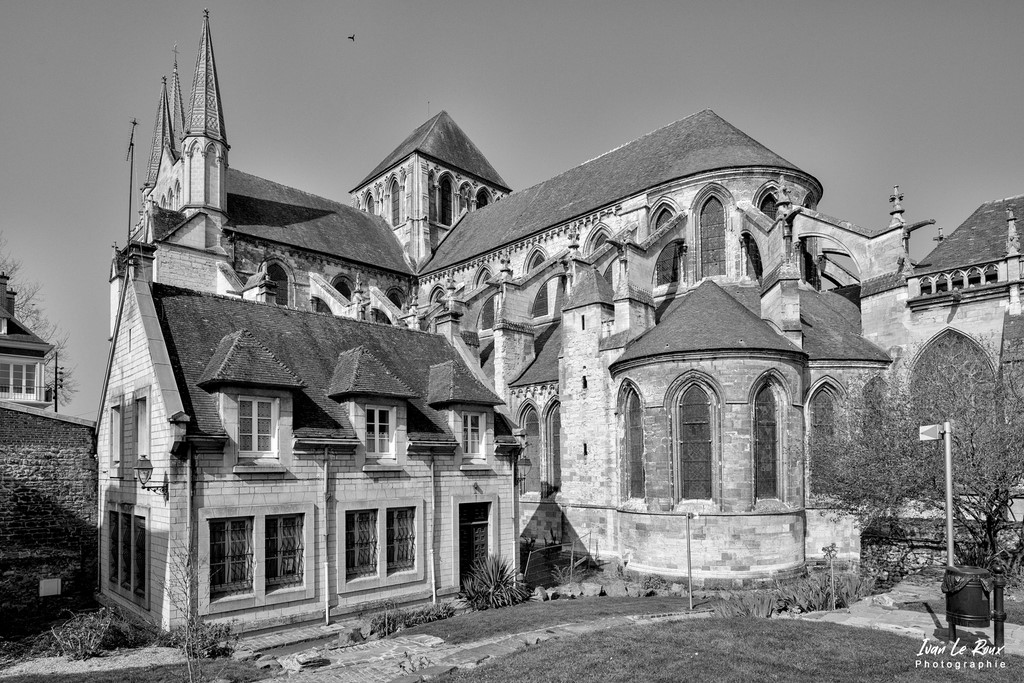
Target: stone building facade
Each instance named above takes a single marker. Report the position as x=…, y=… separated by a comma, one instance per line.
x=662, y=328
x=47, y=513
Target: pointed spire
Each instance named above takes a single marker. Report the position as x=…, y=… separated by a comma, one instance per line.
x=177, y=104
x=206, y=116
x=162, y=135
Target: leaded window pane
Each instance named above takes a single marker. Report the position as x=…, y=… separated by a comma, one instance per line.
x=113, y=545
x=554, y=449
x=245, y=425
x=765, y=445
x=446, y=201
x=695, y=452
x=666, y=269
x=532, y=426
x=126, y=550
x=360, y=543
x=768, y=206
x=230, y=556
x=636, y=481
x=401, y=538
x=394, y=203
x=540, y=303
x=283, y=549
x=712, y=238
x=140, y=556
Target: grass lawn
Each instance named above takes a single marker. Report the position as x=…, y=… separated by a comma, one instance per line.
x=532, y=615
x=238, y=672
x=728, y=650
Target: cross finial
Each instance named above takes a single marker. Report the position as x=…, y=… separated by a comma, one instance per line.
x=939, y=237
x=206, y=13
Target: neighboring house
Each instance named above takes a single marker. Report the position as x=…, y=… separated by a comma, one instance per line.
x=21, y=356
x=669, y=325
x=47, y=514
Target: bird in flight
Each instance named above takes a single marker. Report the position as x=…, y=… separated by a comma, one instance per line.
x=352, y=37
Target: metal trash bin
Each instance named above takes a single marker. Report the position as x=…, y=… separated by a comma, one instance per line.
x=967, y=592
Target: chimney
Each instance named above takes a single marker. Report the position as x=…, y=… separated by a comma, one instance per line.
x=266, y=291
x=634, y=305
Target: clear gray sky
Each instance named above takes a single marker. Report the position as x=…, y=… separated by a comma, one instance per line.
x=928, y=94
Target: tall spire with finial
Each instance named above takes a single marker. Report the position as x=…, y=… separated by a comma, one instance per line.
x=177, y=104
x=163, y=136
x=206, y=115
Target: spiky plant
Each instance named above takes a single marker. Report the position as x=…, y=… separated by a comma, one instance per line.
x=492, y=584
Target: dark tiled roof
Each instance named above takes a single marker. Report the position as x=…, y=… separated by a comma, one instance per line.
x=547, y=347
x=1013, y=338
x=240, y=359
x=452, y=382
x=881, y=283
x=165, y=221
x=699, y=143
x=267, y=210
x=193, y=324
x=590, y=288
x=832, y=329
x=705, y=319
x=442, y=139
x=360, y=373
x=982, y=237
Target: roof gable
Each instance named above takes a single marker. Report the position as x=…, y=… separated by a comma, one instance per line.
x=268, y=210
x=696, y=144
x=442, y=139
x=452, y=382
x=360, y=373
x=590, y=287
x=240, y=359
x=980, y=238
x=832, y=329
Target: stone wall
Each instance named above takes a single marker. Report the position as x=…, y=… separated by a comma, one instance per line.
x=47, y=513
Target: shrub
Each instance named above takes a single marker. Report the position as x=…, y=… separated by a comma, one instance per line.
x=810, y=594
x=393, y=619
x=852, y=587
x=653, y=582
x=88, y=634
x=492, y=584
x=201, y=640
x=750, y=604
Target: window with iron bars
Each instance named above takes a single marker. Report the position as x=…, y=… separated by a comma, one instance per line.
x=283, y=551
x=360, y=544
x=230, y=556
x=401, y=539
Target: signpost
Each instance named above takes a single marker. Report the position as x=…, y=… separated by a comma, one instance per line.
x=934, y=433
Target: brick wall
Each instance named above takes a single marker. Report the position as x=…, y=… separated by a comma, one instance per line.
x=47, y=512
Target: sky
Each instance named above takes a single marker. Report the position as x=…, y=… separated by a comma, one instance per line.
x=863, y=95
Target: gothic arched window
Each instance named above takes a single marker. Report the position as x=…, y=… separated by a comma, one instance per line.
x=445, y=199
x=823, y=415
x=279, y=277
x=754, y=266
x=554, y=450
x=431, y=197
x=596, y=241
x=766, y=445
x=531, y=425
x=344, y=288
x=664, y=216
x=667, y=269
x=482, y=198
x=633, y=448
x=768, y=205
x=952, y=375
x=487, y=314
x=396, y=203
x=396, y=297
x=483, y=277
x=695, y=453
x=371, y=206
x=437, y=295
x=712, y=238
x=536, y=258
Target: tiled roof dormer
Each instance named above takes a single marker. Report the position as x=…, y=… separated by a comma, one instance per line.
x=241, y=360
x=359, y=372
x=451, y=382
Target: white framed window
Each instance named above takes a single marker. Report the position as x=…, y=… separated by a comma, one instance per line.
x=18, y=381
x=116, y=435
x=283, y=551
x=379, y=543
x=231, y=558
x=141, y=427
x=473, y=425
x=380, y=432
x=257, y=426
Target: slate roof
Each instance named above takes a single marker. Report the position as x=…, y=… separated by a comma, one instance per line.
x=360, y=373
x=194, y=323
x=240, y=359
x=547, y=347
x=696, y=144
x=881, y=283
x=268, y=210
x=452, y=382
x=707, y=318
x=442, y=139
x=590, y=288
x=832, y=329
x=982, y=237
x=165, y=221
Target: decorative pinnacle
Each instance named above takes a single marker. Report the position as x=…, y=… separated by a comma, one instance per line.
x=506, y=265
x=206, y=13
x=1012, y=241
x=574, y=238
x=939, y=237
x=897, y=209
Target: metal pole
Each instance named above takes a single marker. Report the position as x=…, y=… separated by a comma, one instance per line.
x=949, y=493
x=689, y=569
x=56, y=385
x=998, y=614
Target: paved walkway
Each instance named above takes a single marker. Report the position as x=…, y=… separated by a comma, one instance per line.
x=405, y=659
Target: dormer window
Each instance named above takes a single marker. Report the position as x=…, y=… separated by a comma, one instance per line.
x=380, y=432
x=257, y=426
x=472, y=434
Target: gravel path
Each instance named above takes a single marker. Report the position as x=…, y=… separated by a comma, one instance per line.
x=130, y=659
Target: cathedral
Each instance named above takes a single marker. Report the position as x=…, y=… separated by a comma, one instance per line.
x=320, y=405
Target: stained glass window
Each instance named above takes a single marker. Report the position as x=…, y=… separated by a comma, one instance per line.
x=695, y=451
x=712, y=238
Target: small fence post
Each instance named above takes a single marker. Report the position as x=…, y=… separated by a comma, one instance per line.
x=998, y=614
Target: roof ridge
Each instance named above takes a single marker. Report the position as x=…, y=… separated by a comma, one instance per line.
x=288, y=187
x=214, y=295
x=636, y=139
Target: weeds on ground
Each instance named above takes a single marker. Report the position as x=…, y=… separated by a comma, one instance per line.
x=810, y=594
x=91, y=633
x=393, y=618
